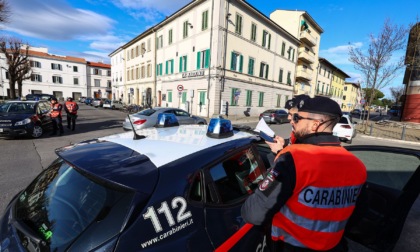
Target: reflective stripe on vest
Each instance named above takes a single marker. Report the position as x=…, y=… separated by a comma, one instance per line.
x=323, y=199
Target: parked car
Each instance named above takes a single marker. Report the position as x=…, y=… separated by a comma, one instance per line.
x=82, y=99
x=345, y=129
x=182, y=188
x=88, y=100
x=148, y=118
x=357, y=113
x=33, y=97
x=113, y=104
x=395, y=110
x=274, y=116
x=97, y=102
x=24, y=118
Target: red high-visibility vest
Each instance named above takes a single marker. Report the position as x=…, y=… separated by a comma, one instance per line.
x=71, y=107
x=328, y=181
x=56, y=110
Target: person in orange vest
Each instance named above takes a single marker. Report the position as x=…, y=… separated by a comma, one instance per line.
x=55, y=114
x=71, y=108
x=311, y=192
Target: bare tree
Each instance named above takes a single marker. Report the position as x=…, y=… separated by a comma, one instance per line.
x=396, y=93
x=375, y=64
x=17, y=60
x=4, y=11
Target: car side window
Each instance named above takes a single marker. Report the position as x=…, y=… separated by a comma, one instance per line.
x=236, y=177
x=394, y=170
x=181, y=113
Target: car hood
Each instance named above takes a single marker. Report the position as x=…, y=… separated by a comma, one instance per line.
x=12, y=117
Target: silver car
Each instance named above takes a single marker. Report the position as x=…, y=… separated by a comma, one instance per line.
x=113, y=104
x=148, y=118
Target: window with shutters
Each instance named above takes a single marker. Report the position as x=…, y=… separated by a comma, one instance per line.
x=203, y=59
x=234, y=97
x=204, y=20
x=169, y=96
x=281, y=75
x=36, y=77
x=289, y=78
x=253, y=32
x=35, y=64
x=236, y=62
x=202, y=97
x=159, y=69
x=264, y=70
x=251, y=66
x=57, y=79
x=142, y=75
x=149, y=70
x=170, y=37
x=183, y=63
x=248, y=98
x=169, y=67
x=159, y=42
x=76, y=81
x=266, y=39
x=283, y=48
x=261, y=99
x=238, y=24
x=278, y=103
x=185, y=29
x=56, y=66
x=97, y=83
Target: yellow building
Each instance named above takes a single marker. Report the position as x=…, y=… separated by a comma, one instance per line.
x=351, y=96
x=301, y=25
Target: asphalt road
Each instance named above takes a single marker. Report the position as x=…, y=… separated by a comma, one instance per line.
x=21, y=160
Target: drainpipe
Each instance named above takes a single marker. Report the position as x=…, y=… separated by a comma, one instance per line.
x=210, y=62
x=154, y=76
x=224, y=57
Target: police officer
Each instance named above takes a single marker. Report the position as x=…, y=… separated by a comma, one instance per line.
x=312, y=190
x=279, y=142
x=55, y=114
x=71, y=108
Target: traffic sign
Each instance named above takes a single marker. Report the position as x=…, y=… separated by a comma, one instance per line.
x=180, y=88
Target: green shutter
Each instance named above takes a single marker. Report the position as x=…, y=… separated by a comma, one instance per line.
x=180, y=64
x=207, y=59
x=198, y=60
x=166, y=68
x=241, y=58
x=232, y=55
x=172, y=66
x=263, y=40
x=185, y=63
x=266, y=72
x=184, y=96
x=269, y=40
x=170, y=96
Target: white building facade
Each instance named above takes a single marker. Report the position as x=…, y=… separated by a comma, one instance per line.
x=99, y=80
x=209, y=54
x=62, y=76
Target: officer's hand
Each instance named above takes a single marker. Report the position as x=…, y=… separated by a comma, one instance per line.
x=277, y=145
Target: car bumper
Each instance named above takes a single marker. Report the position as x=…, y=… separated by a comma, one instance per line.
x=23, y=130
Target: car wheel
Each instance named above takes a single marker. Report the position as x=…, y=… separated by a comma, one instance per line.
x=37, y=132
x=113, y=107
x=349, y=141
x=200, y=123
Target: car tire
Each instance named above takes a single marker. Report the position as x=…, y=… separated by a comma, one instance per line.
x=113, y=107
x=37, y=131
x=349, y=141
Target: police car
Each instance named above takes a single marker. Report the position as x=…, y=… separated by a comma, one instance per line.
x=175, y=188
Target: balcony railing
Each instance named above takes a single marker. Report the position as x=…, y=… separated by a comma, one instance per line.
x=304, y=73
x=306, y=56
x=308, y=38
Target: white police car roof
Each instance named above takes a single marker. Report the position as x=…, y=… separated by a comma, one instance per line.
x=164, y=145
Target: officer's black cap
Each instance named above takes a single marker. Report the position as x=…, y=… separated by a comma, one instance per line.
x=295, y=101
x=320, y=105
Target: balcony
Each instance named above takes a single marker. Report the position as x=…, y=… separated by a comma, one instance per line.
x=323, y=93
x=304, y=73
x=306, y=56
x=308, y=38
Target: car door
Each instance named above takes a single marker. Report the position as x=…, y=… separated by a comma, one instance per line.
x=385, y=202
x=228, y=182
x=42, y=110
x=183, y=117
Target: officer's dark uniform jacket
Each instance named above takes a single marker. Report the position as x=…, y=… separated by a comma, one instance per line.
x=310, y=193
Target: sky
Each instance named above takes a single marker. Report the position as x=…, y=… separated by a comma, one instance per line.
x=92, y=29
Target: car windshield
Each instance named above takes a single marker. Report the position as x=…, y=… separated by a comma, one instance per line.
x=107, y=101
x=18, y=107
x=61, y=203
x=343, y=120
x=147, y=112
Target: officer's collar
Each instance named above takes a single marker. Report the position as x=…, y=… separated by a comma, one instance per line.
x=320, y=138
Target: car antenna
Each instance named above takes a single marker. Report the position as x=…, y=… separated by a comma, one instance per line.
x=136, y=136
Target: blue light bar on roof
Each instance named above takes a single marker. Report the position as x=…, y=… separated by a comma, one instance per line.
x=166, y=120
x=219, y=128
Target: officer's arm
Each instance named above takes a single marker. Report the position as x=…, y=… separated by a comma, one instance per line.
x=66, y=109
x=272, y=193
